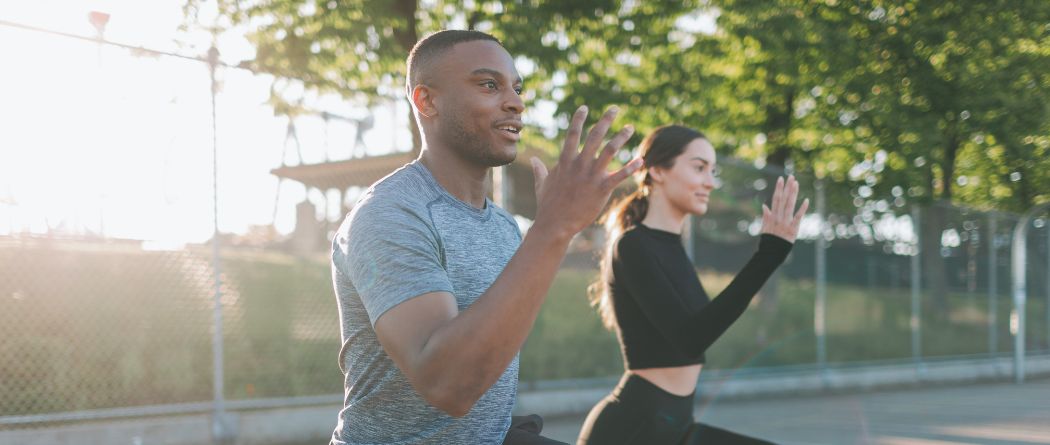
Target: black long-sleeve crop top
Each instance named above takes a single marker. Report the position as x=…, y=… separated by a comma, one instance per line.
x=664, y=317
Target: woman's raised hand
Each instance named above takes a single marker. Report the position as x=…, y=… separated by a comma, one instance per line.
x=781, y=219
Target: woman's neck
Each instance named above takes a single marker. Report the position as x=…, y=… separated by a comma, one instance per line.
x=662, y=215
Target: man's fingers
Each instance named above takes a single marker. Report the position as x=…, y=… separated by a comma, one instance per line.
x=572, y=137
x=613, y=146
x=597, y=133
x=539, y=171
x=618, y=176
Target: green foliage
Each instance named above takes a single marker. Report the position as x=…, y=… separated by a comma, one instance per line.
x=937, y=85
x=932, y=96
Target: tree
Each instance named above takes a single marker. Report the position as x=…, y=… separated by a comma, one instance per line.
x=940, y=82
x=890, y=101
x=358, y=48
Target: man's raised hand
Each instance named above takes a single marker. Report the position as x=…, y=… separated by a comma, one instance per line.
x=571, y=195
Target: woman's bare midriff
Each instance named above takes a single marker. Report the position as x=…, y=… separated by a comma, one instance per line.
x=678, y=380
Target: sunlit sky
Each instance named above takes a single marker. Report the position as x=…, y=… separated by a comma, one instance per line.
x=98, y=140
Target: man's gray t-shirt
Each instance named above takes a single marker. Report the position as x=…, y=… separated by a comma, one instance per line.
x=408, y=236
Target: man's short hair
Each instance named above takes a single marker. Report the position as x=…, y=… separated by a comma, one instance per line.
x=429, y=48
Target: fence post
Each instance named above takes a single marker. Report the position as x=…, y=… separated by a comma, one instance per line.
x=993, y=284
x=820, y=306
x=221, y=431
x=916, y=274
x=1018, y=269
x=1017, y=314
x=689, y=238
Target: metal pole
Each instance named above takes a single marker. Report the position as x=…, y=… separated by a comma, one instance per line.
x=688, y=238
x=820, y=306
x=1017, y=315
x=499, y=187
x=1018, y=255
x=220, y=431
x=916, y=308
x=993, y=284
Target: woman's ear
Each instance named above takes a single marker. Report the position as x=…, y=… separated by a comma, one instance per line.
x=423, y=99
x=656, y=174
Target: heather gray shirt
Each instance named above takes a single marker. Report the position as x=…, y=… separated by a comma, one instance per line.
x=405, y=237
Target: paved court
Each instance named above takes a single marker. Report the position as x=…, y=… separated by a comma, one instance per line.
x=999, y=413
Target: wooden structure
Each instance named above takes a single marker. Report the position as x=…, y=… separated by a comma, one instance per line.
x=513, y=187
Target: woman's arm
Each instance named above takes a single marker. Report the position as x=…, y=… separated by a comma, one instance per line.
x=656, y=294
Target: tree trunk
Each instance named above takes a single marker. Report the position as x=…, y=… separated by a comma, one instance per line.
x=934, y=223
x=934, y=276
x=777, y=127
x=407, y=37
x=951, y=150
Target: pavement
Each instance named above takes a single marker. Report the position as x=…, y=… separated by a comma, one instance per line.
x=979, y=413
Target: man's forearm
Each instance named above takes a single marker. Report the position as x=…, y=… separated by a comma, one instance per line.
x=467, y=354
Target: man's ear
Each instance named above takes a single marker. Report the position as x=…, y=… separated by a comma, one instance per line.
x=423, y=100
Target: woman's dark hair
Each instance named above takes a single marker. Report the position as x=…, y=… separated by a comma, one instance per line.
x=659, y=149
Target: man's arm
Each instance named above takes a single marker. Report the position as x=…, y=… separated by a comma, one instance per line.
x=452, y=357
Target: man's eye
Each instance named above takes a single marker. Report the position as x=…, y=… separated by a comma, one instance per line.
x=518, y=90
x=489, y=84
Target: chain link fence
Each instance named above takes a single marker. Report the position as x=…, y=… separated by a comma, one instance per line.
x=105, y=313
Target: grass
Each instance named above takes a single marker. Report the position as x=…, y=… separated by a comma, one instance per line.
x=863, y=324
x=101, y=328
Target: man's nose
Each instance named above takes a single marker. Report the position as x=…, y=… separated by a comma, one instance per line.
x=514, y=103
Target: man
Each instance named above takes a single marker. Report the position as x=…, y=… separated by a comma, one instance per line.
x=436, y=287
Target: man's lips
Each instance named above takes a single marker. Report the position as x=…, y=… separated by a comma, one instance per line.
x=512, y=125
x=510, y=128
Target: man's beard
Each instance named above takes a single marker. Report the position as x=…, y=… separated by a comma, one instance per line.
x=471, y=148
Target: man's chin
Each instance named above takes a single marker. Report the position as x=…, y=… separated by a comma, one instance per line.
x=508, y=155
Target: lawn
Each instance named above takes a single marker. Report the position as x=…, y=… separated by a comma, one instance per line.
x=85, y=328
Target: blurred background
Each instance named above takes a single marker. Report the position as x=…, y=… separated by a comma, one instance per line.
x=171, y=173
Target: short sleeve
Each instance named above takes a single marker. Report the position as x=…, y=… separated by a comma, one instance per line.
x=390, y=254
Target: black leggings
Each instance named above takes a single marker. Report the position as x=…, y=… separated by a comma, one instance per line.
x=639, y=412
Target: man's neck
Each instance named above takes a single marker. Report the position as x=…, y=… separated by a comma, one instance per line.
x=467, y=182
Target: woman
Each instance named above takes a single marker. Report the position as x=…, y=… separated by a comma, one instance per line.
x=650, y=296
